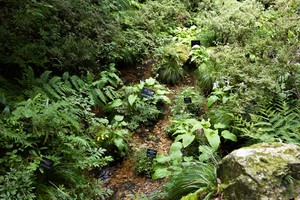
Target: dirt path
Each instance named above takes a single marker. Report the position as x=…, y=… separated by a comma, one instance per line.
x=123, y=180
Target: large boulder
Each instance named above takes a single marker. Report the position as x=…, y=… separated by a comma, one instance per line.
x=261, y=172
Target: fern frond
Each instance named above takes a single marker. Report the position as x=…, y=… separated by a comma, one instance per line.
x=56, y=83
x=66, y=76
x=30, y=78
x=89, y=78
x=277, y=121
x=74, y=80
x=101, y=95
x=78, y=140
x=110, y=92
x=45, y=76
x=51, y=93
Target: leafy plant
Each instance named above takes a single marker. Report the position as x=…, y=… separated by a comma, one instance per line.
x=186, y=132
x=276, y=121
x=197, y=180
x=52, y=125
x=231, y=20
x=182, y=110
x=56, y=87
x=143, y=164
x=138, y=110
x=205, y=67
x=170, y=65
x=108, y=134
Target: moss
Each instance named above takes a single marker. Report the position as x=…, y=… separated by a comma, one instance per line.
x=262, y=173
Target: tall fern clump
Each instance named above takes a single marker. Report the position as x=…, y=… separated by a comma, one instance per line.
x=277, y=121
x=51, y=120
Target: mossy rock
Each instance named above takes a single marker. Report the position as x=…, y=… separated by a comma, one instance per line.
x=261, y=171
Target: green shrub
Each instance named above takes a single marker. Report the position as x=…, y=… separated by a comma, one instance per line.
x=138, y=110
x=143, y=164
x=111, y=135
x=51, y=123
x=207, y=67
x=181, y=110
x=231, y=20
x=171, y=61
x=277, y=121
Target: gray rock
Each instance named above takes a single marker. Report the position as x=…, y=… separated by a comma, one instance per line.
x=260, y=172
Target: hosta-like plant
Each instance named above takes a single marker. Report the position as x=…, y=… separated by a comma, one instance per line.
x=186, y=132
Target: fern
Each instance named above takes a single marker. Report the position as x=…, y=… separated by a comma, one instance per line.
x=8, y=133
x=56, y=88
x=276, y=121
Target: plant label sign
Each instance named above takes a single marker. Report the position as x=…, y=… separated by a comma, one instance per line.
x=151, y=153
x=187, y=100
x=46, y=163
x=147, y=93
x=195, y=42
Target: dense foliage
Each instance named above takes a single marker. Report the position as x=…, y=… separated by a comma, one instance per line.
x=58, y=67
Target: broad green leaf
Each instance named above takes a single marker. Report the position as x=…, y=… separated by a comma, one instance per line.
x=103, y=121
x=226, y=134
x=188, y=159
x=162, y=158
x=191, y=121
x=119, y=143
x=187, y=139
x=197, y=126
x=176, y=157
x=160, y=166
x=119, y=118
x=219, y=125
x=161, y=173
x=179, y=131
x=206, y=124
x=179, y=137
x=141, y=85
x=165, y=98
x=175, y=168
x=150, y=81
x=132, y=99
x=225, y=99
x=206, y=152
x=226, y=88
x=161, y=92
x=213, y=138
x=113, y=104
x=158, y=86
x=119, y=133
x=113, y=81
x=175, y=147
x=211, y=100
